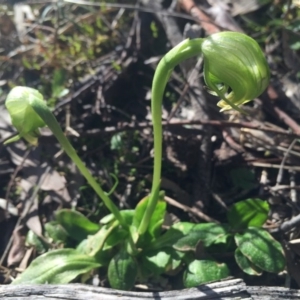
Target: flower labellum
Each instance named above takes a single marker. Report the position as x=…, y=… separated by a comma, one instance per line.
x=235, y=68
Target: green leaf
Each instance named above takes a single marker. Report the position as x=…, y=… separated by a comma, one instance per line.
x=245, y=264
x=76, y=224
x=251, y=212
x=106, y=238
x=202, y=271
x=117, y=236
x=295, y=46
x=145, y=213
x=34, y=241
x=102, y=257
x=139, y=212
x=95, y=243
x=137, y=218
x=157, y=218
x=122, y=271
x=58, y=82
x=127, y=215
x=116, y=142
x=57, y=267
x=173, y=234
x=175, y=261
x=156, y=261
x=55, y=232
x=261, y=249
x=207, y=233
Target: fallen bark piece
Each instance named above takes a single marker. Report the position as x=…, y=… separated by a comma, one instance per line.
x=225, y=290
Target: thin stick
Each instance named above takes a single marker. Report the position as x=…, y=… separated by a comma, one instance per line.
x=286, y=154
x=272, y=166
x=24, y=213
x=12, y=179
x=193, y=211
x=217, y=123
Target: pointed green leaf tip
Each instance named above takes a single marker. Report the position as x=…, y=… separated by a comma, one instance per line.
x=23, y=117
x=234, y=60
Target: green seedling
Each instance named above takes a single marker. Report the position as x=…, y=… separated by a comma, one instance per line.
x=131, y=243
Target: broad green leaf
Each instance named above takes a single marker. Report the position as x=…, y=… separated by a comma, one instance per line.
x=57, y=267
x=145, y=210
x=207, y=233
x=155, y=222
x=245, y=264
x=95, y=242
x=122, y=271
x=261, y=249
x=175, y=261
x=33, y=240
x=127, y=215
x=157, y=218
x=107, y=219
x=76, y=224
x=136, y=221
x=250, y=212
x=55, y=232
x=102, y=257
x=82, y=247
x=139, y=212
x=106, y=238
x=202, y=271
x=117, y=236
x=173, y=234
x=156, y=261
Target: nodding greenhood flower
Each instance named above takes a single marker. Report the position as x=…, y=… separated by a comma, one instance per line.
x=23, y=117
x=235, y=68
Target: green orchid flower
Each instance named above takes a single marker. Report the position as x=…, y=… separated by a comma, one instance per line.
x=234, y=61
x=23, y=116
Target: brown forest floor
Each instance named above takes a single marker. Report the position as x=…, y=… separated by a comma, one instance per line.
x=95, y=67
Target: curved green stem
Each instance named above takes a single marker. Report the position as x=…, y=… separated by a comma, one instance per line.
x=183, y=51
x=46, y=115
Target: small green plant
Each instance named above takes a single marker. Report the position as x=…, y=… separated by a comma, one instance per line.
x=131, y=243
